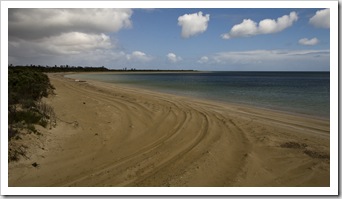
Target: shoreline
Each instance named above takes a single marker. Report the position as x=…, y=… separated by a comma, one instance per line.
x=206, y=100
x=239, y=107
x=110, y=135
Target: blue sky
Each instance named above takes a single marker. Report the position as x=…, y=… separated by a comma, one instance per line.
x=167, y=38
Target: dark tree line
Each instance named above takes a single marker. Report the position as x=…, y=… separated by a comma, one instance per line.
x=67, y=68
x=62, y=68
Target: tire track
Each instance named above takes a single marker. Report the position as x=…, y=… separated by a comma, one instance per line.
x=142, y=151
x=135, y=157
x=169, y=147
x=203, y=132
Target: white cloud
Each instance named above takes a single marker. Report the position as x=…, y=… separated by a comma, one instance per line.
x=38, y=23
x=267, y=26
x=173, y=58
x=66, y=44
x=193, y=24
x=62, y=35
x=308, y=42
x=321, y=19
x=138, y=56
x=203, y=59
x=76, y=42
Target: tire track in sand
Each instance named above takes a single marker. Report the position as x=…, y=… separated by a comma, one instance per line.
x=164, y=151
x=142, y=151
x=183, y=120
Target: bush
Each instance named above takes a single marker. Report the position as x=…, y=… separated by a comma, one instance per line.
x=26, y=87
x=29, y=117
x=26, y=84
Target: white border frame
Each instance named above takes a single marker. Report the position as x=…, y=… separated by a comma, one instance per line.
x=332, y=190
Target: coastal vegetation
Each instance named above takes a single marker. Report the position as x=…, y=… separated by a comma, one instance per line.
x=26, y=88
x=61, y=68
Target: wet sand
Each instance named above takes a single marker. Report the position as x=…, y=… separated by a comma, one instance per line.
x=110, y=135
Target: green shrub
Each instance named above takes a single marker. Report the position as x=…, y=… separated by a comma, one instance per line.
x=25, y=84
x=29, y=117
x=26, y=87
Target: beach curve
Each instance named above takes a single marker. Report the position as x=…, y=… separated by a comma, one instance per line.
x=133, y=137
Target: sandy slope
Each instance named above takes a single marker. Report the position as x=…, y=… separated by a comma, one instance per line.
x=108, y=135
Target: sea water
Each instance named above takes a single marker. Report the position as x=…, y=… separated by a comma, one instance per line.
x=298, y=92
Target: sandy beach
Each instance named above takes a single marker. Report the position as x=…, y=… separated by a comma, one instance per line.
x=110, y=135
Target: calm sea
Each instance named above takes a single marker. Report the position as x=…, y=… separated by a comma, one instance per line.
x=299, y=92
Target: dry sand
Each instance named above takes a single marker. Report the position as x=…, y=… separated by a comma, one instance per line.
x=110, y=135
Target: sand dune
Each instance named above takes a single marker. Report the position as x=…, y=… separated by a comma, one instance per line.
x=110, y=135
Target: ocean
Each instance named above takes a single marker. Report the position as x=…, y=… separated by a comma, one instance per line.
x=297, y=92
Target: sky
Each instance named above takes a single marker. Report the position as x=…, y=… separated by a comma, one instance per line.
x=214, y=39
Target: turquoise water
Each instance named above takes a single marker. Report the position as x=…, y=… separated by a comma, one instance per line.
x=299, y=92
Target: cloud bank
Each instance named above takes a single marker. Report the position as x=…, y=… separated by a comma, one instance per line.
x=267, y=26
x=45, y=34
x=30, y=23
x=308, y=42
x=321, y=19
x=272, y=60
x=193, y=24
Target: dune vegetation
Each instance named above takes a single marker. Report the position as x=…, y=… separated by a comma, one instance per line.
x=26, y=88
